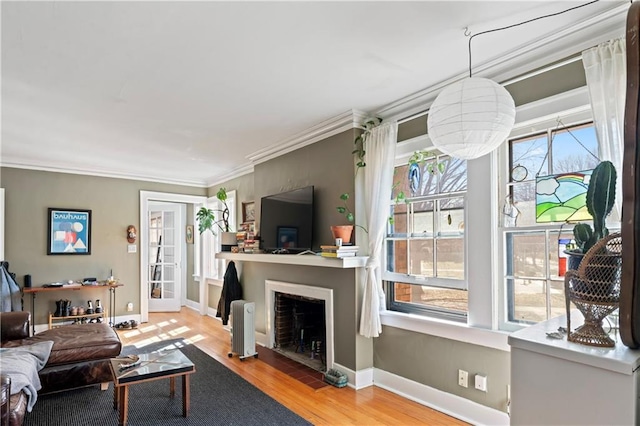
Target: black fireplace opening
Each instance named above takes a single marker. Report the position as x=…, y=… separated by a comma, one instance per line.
x=300, y=329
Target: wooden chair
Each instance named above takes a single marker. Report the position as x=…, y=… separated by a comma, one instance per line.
x=595, y=290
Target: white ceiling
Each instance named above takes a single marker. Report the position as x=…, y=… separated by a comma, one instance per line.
x=192, y=92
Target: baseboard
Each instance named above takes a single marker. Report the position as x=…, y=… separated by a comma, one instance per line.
x=453, y=405
x=356, y=379
x=261, y=339
x=192, y=305
x=212, y=312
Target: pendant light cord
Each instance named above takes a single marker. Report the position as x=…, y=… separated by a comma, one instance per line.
x=521, y=23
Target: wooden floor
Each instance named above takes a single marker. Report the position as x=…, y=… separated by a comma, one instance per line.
x=327, y=406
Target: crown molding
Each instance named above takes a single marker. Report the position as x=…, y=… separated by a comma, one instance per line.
x=235, y=173
x=17, y=164
x=519, y=61
x=338, y=124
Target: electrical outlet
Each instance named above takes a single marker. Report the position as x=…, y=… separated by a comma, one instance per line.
x=129, y=307
x=463, y=378
x=481, y=382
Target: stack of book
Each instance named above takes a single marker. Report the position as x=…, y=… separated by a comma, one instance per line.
x=240, y=238
x=339, y=251
x=250, y=244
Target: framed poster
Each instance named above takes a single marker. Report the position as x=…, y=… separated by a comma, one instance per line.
x=248, y=211
x=189, y=234
x=69, y=231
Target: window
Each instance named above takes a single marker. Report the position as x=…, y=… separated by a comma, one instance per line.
x=215, y=268
x=534, y=258
x=425, y=242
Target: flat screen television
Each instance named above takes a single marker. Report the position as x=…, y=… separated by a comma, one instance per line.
x=286, y=220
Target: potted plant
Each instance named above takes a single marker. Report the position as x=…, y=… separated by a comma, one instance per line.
x=417, y=159
x=344, y=231
x=601, y=195
x=207, y=221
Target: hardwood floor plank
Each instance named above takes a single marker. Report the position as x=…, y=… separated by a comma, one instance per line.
x=327, y=406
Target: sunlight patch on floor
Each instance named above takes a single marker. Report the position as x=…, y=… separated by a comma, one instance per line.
x=148, y=328
x=179, y=330
x=146, y=342
x=132, y=333
x=163, y=324
x=194, y=339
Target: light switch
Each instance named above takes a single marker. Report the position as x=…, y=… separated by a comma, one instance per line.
x=481, y=383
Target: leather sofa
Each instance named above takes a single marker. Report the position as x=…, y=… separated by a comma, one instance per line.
x=79, y=356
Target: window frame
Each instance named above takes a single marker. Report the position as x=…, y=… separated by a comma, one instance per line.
x=213, y=269
x=534, y=126
x=404, y=150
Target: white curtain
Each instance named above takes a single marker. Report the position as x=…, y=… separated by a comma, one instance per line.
x=606, y=67
x=378, y=179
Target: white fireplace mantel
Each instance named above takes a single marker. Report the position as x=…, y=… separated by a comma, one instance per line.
x=295, y=259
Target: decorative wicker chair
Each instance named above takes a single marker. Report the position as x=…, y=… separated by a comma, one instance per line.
x=595, y=290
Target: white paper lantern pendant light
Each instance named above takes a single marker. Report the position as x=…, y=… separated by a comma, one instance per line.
x=471, y=118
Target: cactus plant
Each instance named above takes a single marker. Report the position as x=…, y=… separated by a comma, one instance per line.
x=601, y=195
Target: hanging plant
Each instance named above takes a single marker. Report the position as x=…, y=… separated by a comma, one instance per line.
x=415, y=163
x=360, y=141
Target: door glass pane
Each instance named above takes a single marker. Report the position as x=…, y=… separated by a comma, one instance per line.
x=169, y=219
x=168, y=238
x=155, y=290
x=169, y=255
x=169, y=273
x=421, y=257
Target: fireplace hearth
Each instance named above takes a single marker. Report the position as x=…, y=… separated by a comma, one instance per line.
x=300, y=329
x=300, y=324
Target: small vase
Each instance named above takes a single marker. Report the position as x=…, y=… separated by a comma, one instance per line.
x=342, y=231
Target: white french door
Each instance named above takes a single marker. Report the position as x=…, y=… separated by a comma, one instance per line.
x=164, y=275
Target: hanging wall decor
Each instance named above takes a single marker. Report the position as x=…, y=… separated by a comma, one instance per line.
x=562, y=197
x=69, y=231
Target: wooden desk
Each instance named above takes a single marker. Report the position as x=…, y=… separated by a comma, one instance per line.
x=75, y=287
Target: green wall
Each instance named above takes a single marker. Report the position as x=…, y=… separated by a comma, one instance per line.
x=328, y=166
x=115, y=204
x=434, y=361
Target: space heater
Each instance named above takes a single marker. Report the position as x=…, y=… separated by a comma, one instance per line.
x=243, y=335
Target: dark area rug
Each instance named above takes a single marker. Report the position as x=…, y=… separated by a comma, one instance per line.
x=218, y=397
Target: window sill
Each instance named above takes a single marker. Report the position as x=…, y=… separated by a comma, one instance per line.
x=214, y=282
x=447, y=329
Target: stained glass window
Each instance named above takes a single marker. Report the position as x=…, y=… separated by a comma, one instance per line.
x=562, y=197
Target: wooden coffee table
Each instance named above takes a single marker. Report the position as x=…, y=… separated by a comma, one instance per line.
x=154, y=366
